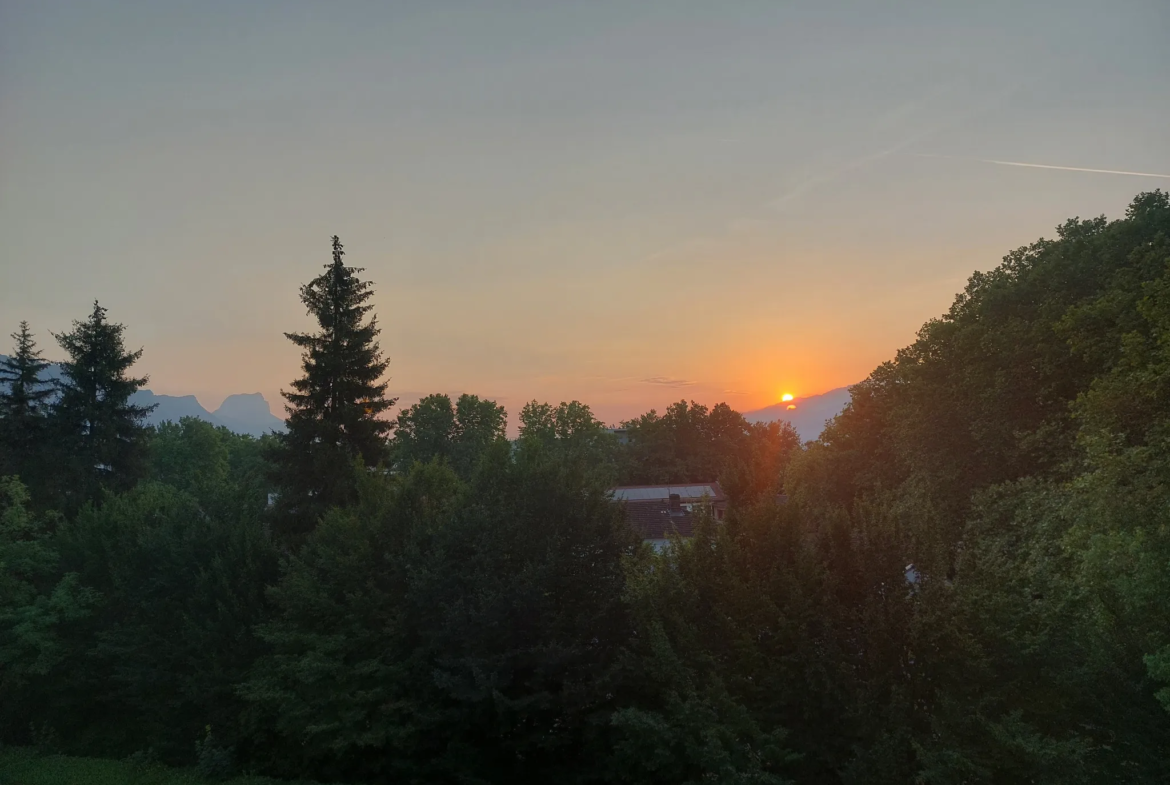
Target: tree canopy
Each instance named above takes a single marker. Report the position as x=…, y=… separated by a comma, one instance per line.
x=435, y=429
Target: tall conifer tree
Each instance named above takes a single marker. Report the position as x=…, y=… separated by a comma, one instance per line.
x=334, y=408
x=24, y=404
x=101, y=431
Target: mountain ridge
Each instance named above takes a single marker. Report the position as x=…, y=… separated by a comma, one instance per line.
x=810, y=414
x=244, y=413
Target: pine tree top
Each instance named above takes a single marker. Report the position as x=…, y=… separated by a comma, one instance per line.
x=97, y=362
x=22, y=390
x=335, y=408
x=342, y=363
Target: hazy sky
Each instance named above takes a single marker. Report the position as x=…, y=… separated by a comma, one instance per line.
x=624, y=203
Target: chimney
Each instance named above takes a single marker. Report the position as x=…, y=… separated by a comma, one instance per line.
x=675, y=504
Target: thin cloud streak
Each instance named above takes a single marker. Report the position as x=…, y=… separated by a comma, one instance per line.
x=668, y=382
x=920, y=136
x=884, y=121
x=1049, y=166
x=778, y=204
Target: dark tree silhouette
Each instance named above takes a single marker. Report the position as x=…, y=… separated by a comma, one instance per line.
x=101, y=434
x=24, y=405
x=335, y=407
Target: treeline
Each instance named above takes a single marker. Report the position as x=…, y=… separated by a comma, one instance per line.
x=969, y=583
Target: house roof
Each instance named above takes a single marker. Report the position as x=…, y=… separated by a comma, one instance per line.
x=688, y=493
x=653, y=520
x=648, y=507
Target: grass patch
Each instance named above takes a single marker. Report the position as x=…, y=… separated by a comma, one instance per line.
x=24, y=766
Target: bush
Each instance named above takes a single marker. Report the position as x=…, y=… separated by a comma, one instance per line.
x=211, y=760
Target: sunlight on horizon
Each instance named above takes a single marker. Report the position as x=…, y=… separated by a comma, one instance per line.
x=541, y=215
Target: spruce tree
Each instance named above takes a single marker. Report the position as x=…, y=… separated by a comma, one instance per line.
x=100, y=431
x=335, y=407
x=24, y=404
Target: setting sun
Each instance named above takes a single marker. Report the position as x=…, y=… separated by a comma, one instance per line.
x=786, y=397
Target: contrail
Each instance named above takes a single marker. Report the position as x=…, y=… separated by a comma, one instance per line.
x=922, y=134
x=1060, y=168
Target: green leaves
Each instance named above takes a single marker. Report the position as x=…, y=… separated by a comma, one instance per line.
x=1019, y=446
x=460, y=629
x=436, y=429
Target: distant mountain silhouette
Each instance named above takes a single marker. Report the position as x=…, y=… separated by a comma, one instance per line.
x=171, y=407
x=809, y=416
x=246, y=413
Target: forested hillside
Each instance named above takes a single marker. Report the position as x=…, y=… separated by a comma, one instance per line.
x=970, y=582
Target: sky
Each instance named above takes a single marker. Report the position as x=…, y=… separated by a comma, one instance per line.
x=622, y=203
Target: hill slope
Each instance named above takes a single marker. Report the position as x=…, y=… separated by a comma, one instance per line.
x=809, y=416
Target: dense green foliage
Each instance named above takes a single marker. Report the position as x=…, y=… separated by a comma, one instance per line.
x=436, y=429
x=969, y=582
x=694, y=444
x=27, y=766
x=1019, y=445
